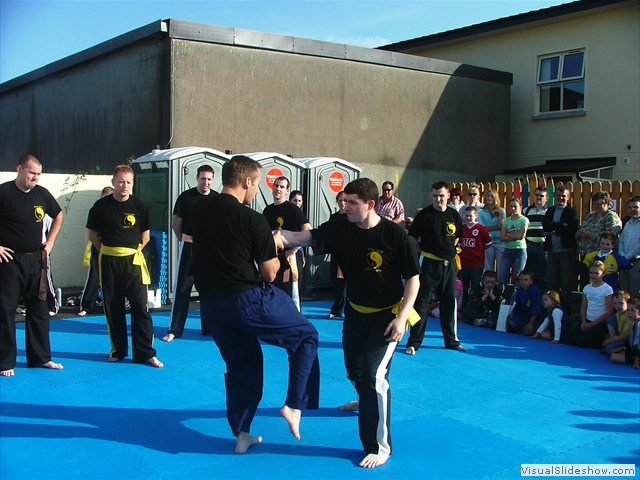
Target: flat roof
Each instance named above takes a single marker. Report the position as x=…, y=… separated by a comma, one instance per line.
x=180, y=29
x=513, y=22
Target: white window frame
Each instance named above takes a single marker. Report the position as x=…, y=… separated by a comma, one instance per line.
x=559, y=82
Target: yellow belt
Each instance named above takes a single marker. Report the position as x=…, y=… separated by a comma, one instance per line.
x=456, y=259
x=412, y=319
x=138, y=258
x=86, y=260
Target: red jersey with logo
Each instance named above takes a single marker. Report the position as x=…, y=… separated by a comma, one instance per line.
x=473, y=243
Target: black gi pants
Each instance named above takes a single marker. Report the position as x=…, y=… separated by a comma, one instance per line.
x=19, y=279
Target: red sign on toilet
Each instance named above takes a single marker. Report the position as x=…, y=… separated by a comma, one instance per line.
x=336, y=181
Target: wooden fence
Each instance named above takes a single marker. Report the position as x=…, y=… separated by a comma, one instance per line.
x=581, y=192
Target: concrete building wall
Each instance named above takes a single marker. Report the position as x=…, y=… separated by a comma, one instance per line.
x=97, y=113
x=393, y=123
x=611, y=39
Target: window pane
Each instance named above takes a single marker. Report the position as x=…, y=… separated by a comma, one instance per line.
x=573, y=96
x=548, y=69
x=550, y=98
x=606, y=173
x=572, y=65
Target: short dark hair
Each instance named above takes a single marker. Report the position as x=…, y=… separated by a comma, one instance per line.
x=528, y=273
x=283, y=178
x=294, y=193
x=609, y=236
x=439, y=186
x=635, y=301
x=454, y=192
x=490, y=274
x=601, y=196
x=239, y=168
x=205, y=168
x=365, y=188
x=388, y=183
x=471, y=209
x=634, y=199
x=22, y=162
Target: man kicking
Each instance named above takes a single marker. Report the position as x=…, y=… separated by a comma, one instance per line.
x=235, y=260
x=374, y=260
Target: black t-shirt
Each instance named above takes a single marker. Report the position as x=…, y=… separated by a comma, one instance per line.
x=437, y=231
x=374, y=261
x=227, y=246
x=21, y=216
x=186, y=200
x=119, y=224
x=286, y=216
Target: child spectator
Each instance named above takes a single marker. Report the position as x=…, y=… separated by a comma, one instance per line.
x=613, y=261
x=554, y=316
x=475, y=241
x=524, y=317
x=434, y=304
x=484, y=301
x=512, y=233
x=597, y=307
x=633, y=312
x=618, y=324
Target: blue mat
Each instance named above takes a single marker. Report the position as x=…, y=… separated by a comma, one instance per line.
x=508, y=401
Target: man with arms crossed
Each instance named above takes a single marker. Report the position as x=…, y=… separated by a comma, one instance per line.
x=119, y=229
x=374, y=255
x=241, y=307
x=23, y=257
x=285, y=215
x=181, y=227
x=536, y=253
x=436, y=231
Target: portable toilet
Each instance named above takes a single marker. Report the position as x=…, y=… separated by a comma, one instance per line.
x=325, y=177
x=160, y=177
x=274, y=165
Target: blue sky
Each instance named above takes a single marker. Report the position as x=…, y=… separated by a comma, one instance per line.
x=35, y=33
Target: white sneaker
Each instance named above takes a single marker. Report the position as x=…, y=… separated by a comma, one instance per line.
x=479, y=322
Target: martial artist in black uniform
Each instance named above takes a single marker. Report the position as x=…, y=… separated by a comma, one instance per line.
x=24, y=261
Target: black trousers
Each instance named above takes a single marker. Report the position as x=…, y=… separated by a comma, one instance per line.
x=182, y=290
x=121, y=279
x=91, y=284
x=440, y=278
x=367, y=358
x=19, y=279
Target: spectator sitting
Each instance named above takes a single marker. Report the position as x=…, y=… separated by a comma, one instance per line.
x=524, y=317
x=619, y=324
x=475, y=241
x=633, y=344
x=613, y=261
x=484, y=301
x=554, y=318
x=597, y=307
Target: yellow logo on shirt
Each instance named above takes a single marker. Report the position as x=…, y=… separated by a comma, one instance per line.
x=374, y=260
x=129, y=220
x=280, y=221
x=451, y=229
x=38, y=212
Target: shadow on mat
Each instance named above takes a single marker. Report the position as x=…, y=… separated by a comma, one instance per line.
x=161, y=430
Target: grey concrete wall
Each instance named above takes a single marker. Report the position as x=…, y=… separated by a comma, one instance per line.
x=96, y=113
x=412, y=127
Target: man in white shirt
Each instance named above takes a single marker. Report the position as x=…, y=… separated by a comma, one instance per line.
x=629, y=247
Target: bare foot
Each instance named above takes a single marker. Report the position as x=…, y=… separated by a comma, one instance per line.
x=168, y=337
x=82, y=313
x=52, y=365
x=244, y=441
x=459, y=348
x=292, y=416
x=154, y=362
x=113, y=359
x=410, y=351
x=373, y=460
x=7, y=373
x=352, y=406
x=329, y=315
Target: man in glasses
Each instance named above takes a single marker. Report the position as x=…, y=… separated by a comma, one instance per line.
x=536, y=254
x=388, y=206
